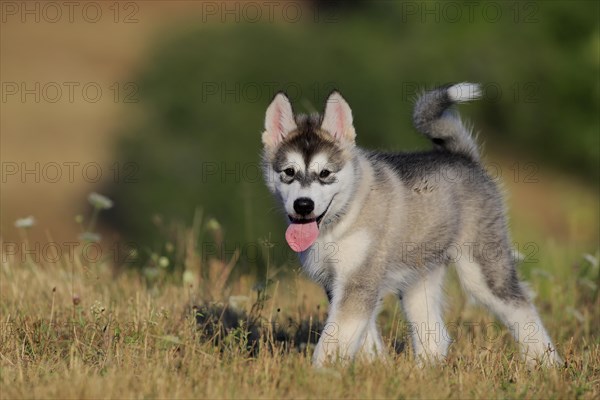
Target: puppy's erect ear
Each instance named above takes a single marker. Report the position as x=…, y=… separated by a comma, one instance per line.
x=337, y=119
x=279, y=121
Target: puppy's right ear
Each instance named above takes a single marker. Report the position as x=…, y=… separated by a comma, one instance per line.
x=279, y=121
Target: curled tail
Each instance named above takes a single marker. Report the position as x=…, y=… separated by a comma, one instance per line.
x=433, y=117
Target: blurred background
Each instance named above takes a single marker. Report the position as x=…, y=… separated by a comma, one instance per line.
x=159, y=105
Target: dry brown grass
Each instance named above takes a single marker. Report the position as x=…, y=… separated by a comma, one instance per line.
x=71, y=330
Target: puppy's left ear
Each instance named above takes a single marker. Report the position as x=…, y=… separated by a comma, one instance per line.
x=279, y=121
x=337, y=120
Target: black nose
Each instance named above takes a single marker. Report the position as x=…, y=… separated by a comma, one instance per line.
x=304, y=206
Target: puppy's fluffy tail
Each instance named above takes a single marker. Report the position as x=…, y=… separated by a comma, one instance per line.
x=434, y=117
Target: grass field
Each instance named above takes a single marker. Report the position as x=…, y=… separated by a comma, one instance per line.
x=71, y=328
x=74, y=324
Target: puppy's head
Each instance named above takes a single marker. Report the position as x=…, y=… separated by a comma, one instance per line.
x=307, y=163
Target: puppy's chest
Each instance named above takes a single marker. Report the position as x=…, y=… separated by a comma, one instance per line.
x=338, y=257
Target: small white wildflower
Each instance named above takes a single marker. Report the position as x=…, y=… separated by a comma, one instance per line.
x=163, y=262
x=188, y=277
x=99, y=201
x=25, y=222
x=591, y=259
x=151, y=273
x=213, y=225
x=90, y=237
x=97, y=308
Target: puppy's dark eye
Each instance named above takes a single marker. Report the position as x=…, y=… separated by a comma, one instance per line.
x=324, y=173
x=289, y=171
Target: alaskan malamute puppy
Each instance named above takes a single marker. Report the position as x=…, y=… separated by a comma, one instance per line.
x=367, y=223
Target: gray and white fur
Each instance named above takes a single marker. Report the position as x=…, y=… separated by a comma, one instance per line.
x=393, y=222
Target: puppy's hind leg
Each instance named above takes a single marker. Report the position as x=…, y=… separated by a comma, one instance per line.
x=492, y=280
x=422, y=303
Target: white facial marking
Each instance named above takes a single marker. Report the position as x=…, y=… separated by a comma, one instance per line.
x=319, y=162
x=296, y=161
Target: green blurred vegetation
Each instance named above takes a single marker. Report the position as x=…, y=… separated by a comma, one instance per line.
x=205, y=88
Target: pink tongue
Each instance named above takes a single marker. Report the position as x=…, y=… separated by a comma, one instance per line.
x=301, y=236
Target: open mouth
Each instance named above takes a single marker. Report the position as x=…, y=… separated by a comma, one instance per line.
x=309, y=220
x=303, y=232
x=318, y=220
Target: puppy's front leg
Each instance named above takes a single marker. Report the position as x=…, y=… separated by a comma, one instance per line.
x=345, y=332
x=341, y=338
